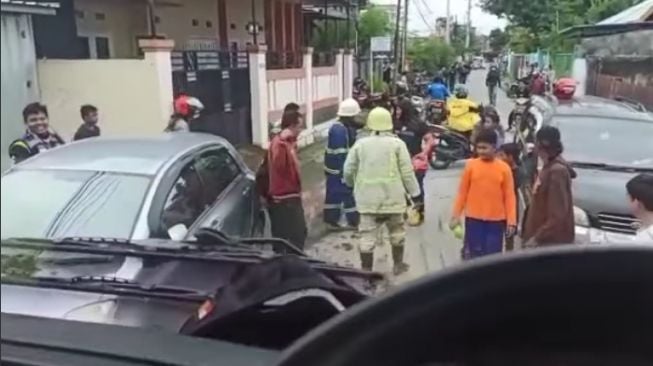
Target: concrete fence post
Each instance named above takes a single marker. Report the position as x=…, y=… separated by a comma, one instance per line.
x=259, y=95
x=308, y=90
x=157, y=52
x=341, y=73
x=348, y=68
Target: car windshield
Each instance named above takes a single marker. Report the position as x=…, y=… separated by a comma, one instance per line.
x=606, y=140
x=55, y=203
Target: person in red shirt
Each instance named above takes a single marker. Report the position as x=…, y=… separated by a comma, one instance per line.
x=486, y=197
x=283, y=193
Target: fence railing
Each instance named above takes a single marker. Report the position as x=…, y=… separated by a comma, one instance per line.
x=322, y=59
x=276, y=60
x=208, y=60
x=609, y=86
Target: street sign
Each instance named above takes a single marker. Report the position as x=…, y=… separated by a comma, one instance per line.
x=381, y=44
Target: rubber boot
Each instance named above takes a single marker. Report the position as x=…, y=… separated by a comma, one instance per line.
x=398, y=260
x=367, y=261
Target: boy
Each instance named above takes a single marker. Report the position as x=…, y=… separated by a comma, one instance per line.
x=640, y=190
x=510, y=154
x=486, y=196
x=38, y=135
x=89, y=127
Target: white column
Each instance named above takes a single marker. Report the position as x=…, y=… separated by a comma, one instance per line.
x=308, y=91
x=348, y=68
x=341, y=73
x=259, y=95
x=157, y=53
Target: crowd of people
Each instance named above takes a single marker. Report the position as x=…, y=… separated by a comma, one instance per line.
x=39, y=136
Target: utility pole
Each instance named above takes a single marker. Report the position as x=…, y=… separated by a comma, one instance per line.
x=404, y=45
x=468, y=36
x=447, y=27
x=396, y=45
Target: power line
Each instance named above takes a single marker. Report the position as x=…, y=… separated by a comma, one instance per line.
x=421, y=15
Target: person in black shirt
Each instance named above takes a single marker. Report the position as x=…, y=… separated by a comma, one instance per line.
x=89, y=127
x=510, y=154
x=38, y=135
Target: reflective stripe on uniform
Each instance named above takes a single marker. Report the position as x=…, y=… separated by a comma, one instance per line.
x=331, y=171
x=338, y=151
x=332, y=206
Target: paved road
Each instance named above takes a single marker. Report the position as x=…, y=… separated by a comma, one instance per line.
x=431, y=246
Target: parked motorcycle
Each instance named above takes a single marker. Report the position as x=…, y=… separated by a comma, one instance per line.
x=450, y=146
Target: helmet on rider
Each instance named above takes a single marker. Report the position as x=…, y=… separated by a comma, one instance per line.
x=188, y=107
x=564, y=88
x=460, y=91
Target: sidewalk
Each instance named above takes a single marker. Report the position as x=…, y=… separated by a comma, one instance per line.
x=311, y=156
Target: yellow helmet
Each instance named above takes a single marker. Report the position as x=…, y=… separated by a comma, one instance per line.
x=379, y=119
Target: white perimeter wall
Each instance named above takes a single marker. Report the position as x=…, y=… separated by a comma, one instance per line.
x=126, y=93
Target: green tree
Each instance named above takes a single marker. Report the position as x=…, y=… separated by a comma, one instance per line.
x=498, y=39
x=373, y=22
x=535, y=24
x=429, y=54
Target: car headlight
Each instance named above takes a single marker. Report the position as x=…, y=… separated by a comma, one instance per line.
x=580, y=217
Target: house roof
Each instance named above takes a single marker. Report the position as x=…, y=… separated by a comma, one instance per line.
x=638, y=13
x=29, y=7
x=638, y=17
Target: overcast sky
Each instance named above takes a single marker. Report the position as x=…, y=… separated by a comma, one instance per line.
x=432, y=9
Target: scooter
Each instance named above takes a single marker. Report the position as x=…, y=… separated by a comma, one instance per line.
x=450, y=146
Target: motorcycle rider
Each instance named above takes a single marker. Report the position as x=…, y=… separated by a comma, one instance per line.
x=339, y=197
x=437, y=90
x=463, y=113
x=410, y=127
x=492, y=81
x=38, y=136
x=186, y=109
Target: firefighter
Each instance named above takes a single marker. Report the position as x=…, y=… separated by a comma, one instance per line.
x=339, y=197
x=38, y=136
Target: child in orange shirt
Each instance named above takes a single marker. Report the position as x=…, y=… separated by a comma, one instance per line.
x=486, y=197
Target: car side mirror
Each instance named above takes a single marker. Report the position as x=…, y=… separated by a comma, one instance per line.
x=178, y=232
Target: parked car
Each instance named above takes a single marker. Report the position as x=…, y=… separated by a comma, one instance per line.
x=607, y=142
x=132, y=188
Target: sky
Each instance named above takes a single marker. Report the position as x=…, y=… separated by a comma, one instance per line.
x=432, y=9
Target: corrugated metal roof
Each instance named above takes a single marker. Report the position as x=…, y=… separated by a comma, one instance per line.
x=634, y=14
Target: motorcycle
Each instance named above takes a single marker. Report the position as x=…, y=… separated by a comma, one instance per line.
x=521, y=118
x=436, y=112
x=450, y=146
x=519, y=88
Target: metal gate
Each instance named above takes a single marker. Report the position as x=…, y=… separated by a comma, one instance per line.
x=220, y=79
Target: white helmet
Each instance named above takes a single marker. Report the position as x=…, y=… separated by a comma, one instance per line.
x=348, y=108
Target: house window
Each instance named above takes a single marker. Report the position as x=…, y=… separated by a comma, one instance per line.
x=100, y=16
x=102, y=47
x=209, y=24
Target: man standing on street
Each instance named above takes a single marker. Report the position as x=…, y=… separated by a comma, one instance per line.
x=284, y=191
x=379, y=168
x=38, y=137
x=492, y=81
x=550, y=217
x=339, y=196
x=89, y=127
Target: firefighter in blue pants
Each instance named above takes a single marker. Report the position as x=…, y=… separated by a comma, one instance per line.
x=339, y=197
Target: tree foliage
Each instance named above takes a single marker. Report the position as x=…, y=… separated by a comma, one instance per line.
x=535, y=24
x=498, y=39
x=430, y=54
x=374, y=22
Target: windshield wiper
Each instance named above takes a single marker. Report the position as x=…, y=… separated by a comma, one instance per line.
x=609, y=167
x=111, y=286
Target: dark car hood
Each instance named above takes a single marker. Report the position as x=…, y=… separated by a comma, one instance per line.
x=598, y=191
x=96, y=308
